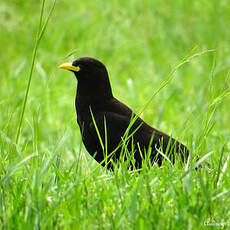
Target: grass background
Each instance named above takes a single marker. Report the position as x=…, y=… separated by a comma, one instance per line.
x=48, y=180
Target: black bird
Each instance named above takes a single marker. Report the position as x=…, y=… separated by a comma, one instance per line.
x=105, y=122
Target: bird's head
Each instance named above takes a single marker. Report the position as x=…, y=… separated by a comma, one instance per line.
x=92, y=76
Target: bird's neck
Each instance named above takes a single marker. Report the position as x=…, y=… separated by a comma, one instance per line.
x=91, y=96
x=86, y=101
x=91, y=93
x=94, y=101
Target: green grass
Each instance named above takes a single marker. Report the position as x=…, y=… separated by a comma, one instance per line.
x=48, y=180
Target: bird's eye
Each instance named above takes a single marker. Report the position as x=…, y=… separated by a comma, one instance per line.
x=80, y=67
x=76, y=68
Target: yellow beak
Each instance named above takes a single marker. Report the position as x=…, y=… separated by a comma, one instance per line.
x=69, y=66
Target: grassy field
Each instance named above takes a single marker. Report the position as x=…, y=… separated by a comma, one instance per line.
x=48, y=180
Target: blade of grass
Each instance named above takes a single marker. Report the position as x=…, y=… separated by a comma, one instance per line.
x=219, y=167
x=16, y=167
x=171, y=76
x=40, y=33
x=97, y=130
x=199, y=162
x=164, y=155
x=223, y=171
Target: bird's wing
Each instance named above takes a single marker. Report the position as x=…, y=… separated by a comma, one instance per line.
x=109, y=125
x=108, y=129
x=111, y=128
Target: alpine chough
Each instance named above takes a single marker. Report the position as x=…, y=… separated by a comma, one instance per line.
x=110, y=130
